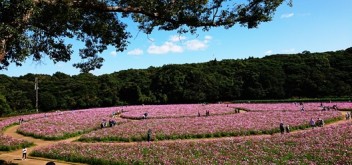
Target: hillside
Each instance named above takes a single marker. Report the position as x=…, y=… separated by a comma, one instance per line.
x=304, y=75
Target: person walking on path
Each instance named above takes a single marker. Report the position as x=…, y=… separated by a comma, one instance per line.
x=24, y=153
x=348, y=115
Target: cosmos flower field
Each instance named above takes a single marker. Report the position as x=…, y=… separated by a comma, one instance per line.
x=211, y=126
x=180, y=136
x=175, y=111
x=330, y=145
x=69, y=124
x=8, y=143
x=292, y=106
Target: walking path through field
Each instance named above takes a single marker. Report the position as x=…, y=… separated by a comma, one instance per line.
x=15, y=156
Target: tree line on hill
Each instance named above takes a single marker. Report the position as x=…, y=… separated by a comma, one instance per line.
x=303, y=75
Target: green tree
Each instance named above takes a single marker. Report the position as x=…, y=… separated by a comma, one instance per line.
x=270, y=77
x=39, y=27
x=139, y=77
x=349, y=50
x=196, y=85
x=169, y=80
x=108, y=93
x=252, y=88
x=130, y=93
x=5, y=82
x=18, y=101
x=47, y=101
x=85, y=88
x=60, y=88
x=4, y=107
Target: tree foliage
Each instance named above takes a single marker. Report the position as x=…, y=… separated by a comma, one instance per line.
x=314, y=75
x=38, y=28
x=4, y=107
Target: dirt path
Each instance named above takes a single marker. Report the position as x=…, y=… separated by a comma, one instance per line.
x=15, y=156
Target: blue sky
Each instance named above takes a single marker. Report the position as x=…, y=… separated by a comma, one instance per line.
x=313, y=25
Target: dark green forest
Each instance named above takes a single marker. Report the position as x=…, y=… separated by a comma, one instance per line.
x=275, y=77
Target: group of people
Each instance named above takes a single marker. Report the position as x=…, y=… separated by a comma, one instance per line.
x=107, y=124
x=20, y=120
x=318, y=123
x=300, y=104
x=284, y=128
x=207, y=113
x=324, y=108
x=327, y=108
x=237, y=110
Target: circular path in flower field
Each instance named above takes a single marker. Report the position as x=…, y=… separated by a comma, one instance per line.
x=15, y=156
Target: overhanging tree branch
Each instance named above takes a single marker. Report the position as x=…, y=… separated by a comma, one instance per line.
x=38, y=27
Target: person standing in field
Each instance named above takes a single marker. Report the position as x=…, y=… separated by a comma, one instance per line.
x=282, y=128
x=287, y=128
x=312, y=123
x=320, y=122
x=149, y=135
x=24, y=153
x=145, y=115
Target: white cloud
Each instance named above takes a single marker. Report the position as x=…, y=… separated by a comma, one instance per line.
x=287, y=15
x=268, y=52
x=167, y=47
x=176, y=38
x=113, y=53
x=196, y=45
x=207, y=38
x=135, y=52
x=174, y=46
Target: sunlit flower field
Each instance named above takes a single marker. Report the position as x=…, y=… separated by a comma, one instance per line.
x=211, y=126
x=292, y=106
x=8, y=143
x=176, y=111
x=68, y=124
x=184, y=134
x=327, y=145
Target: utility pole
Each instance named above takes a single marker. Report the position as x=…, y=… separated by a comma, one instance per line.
x=36, y=93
